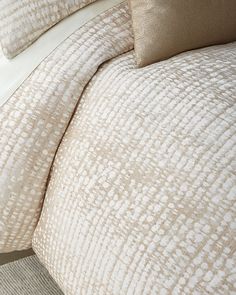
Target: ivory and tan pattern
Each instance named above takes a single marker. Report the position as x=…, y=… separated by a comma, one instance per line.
x=142, y=197
x=34, y=119
x=22, y=22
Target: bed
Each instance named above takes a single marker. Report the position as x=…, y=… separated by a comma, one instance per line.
x=133, y=168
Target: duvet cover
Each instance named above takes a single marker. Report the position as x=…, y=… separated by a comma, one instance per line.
x=34, y=119
x=141, y=194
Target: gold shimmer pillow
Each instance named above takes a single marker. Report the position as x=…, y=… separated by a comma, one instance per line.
x=164, y=28
x=23, y=21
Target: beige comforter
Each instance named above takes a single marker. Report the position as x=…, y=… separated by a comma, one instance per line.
x=143, y=189
x=34, y=119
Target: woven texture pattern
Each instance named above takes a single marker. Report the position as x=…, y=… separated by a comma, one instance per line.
x=22, y=22
x=27, y=277
x=142, y=198
x=34, y=119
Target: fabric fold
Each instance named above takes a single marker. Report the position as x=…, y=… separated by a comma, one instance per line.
x=34, y=119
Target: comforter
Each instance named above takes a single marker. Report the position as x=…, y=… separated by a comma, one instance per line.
x=34, y=119
x=141, y=196
x=142, y=193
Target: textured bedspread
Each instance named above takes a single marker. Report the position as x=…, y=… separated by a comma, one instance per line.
x=142, y=198
x=34, y=119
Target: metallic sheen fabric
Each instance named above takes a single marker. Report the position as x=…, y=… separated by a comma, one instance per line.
x=164, y=28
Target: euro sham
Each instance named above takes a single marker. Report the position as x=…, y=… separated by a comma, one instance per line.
x=142, y=196
x=15, y=71
x=22, y=22
x=164, y=28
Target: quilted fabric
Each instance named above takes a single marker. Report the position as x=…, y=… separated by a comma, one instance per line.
x=142, y=197
x=22, y=22
x=34, y=119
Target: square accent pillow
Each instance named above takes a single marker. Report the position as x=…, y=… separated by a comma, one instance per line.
x=164, y=28
x=22, y=22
